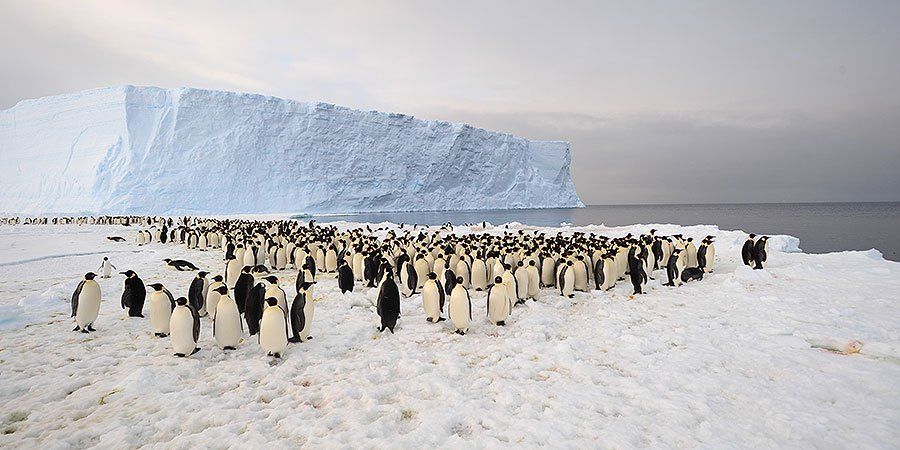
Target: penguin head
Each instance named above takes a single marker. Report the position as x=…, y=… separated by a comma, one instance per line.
x=271, y=301
x=520, y=264
x=105, y=258
x=459, y=280
x=532, y=263
x=222, y=290
x=181, y=301
x=498, y=280
x=218, y=278
x=306, y=285
x=432, y=276
x=246, y=269
x=156, y=286
x=89, y=276
x=752, y=236
x=128, y=273
x=202, y=274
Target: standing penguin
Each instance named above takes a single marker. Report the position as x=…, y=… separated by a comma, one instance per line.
x=106, y=268
x=521, y=276
x=227, y=325
x=195, y=292
x=759, y=253
x=134, y=294
x=433, y=298
x=253, y=310
x=566, y=280
x=185, y=328
x=460, y=310
x=242, y=288
x=300, y=325
x=499, y=304
x=345, y=277
x=636, y=272
x=388, y=305
x=708, y=256
x=409, y=280
x=86, y=303
x=161, y=305
x=690, y=251
x=212, y=296
x=232, y=271
x=274, y=290
x=674, y=267
x=747, y=251
x=534, y=279
x=273, y=329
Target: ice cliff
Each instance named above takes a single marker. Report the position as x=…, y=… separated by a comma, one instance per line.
x=148, y=150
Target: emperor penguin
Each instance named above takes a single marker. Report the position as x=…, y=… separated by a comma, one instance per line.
x=275, y=291
x=462, y=271
x=106, y=268
x=636, y=271
x=499, y=305
x=460, y=307
x=134, y=294
x=359, y=266
x=300, y=322
x=232, y=271
x=345, y=277
x=408, y=279
x=747, y=251
x=534, y=279
x=548, y=271
x=521, y=276
x=242, y=288
x=675, y=267
x=759, y=253
x=253, y=310
x=388, y=305
x=212, y=296
x=511, y=284
x=250, y=256
x=185, y=328
x=566, y=280
x=273, y=329
x=330, y=262
x=227, y=325
x=600, y=273
x=690, y=251
x=280, y=262
x=580, y=270
x=422, y=270
x=86, y=303
x=161, y=305
x=197, y=291
x=433, y=298
x=479, y=274
x=706, y=255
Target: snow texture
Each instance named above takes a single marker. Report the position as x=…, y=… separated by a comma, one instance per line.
x=148, y=150
x=742, y=359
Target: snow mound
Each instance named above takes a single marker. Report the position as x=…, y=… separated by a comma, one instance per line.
x=148, y=150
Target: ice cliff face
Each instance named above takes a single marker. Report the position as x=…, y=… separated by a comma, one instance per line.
x=147, y=150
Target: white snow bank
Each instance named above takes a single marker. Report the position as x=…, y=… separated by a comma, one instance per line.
x=149, y=150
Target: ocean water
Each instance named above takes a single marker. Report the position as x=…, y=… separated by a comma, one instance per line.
x=821, y=227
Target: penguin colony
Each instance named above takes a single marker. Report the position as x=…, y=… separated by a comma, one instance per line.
x=428, y=264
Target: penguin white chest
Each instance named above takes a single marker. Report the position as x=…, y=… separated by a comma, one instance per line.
x=273, y=336
x=181, y=326
x=227, y=327
x=431, y=299
x=88, y=304
x=459, y=309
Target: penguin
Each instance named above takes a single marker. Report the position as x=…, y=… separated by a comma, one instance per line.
x=706, y=255
x=422, y=269
x=280, y=262
x=309, y=310
x=242, y=288
x=690, y=251
x=227, y=325
x=408, y=279
x=273, y=329
x=433, y=298
x=479, y=275
x=274, y=290
x=134, y=294
x=232, y=271
x=463, y=271
x=195, y=292
x=460, y=309
x=521, y=276
x=759, y=253
x=599, y=273
x=747, y=251
x=388, y=305
x=86, y=303
x=534, y=279
x=636, y=272
x=509, y=281
x=106, y=268
x=566, y=280
x=161, y=305
x=674, y=268
x=580, y=270
x=692, y=273
x=330, y=260
x=499, y=305
x=345, y=277
x=212, y=296
x=253, y=310
x=548, y=272
x=299, y=323
x=184, y=328
x=449, y=278
x=181, y=265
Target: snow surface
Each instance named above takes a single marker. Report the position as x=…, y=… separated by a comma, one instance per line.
x=148, y=150
x=735, y=360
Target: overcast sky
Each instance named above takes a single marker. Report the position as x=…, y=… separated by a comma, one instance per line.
x=662, y=102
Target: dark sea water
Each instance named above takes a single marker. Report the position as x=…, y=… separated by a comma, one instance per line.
x=821, y=227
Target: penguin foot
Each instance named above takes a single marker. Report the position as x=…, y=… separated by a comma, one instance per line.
x=520, y=302
x=77, y=328
x=196, y=349
x=309, y=338
x=91, y=328
x=294, y=340
x=160, y=335
x=571, y=295
x=441, y=319
x=428, y=319
x=180, y=355
x=228, y=347
x=501, y=323
x=85, y=331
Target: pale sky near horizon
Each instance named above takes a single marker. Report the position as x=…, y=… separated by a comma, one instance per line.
x=662, y=102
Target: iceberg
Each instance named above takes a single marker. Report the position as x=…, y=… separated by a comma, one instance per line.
x=150, y=150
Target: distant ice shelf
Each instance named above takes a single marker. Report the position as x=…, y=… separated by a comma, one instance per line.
x=149, y=150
